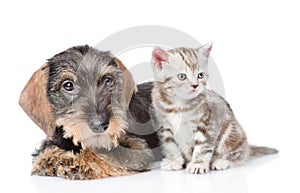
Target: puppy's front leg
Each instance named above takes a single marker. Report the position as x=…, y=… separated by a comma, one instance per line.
x=58, y=162
x=55, y=162
x=132, y=153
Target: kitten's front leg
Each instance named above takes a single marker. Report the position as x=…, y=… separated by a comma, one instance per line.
x=202, y=153
x=173, y=156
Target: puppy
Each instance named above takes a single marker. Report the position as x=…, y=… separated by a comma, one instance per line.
x=86, y=102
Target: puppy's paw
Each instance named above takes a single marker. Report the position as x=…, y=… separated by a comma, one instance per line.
x=197, y=168
x=132, y=154
x=220, y=164
x=133, y=143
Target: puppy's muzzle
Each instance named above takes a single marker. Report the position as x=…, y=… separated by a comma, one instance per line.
x=98, y=126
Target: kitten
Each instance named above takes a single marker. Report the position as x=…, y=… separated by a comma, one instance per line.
x=197, y=126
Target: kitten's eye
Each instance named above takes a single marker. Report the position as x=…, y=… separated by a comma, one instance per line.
x=181, y=76
x=107, y=80
x=201, y=75
x=68, y=85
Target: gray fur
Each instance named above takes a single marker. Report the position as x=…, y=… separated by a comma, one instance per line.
x=91, y=106
x=197, y=126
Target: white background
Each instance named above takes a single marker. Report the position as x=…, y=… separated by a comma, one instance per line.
x=256, y=48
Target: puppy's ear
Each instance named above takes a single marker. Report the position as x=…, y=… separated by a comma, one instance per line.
x=128, y=84
x=35, y=103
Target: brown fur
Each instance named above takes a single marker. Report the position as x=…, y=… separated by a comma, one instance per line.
x=72, y=149
x=84, y=166
x=71, y=128
x=34, y=102
x=128, y=85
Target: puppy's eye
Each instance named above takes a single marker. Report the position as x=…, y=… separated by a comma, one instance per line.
x=68, y=85
x=107, y=80
x=201, y=75
x=181, y=76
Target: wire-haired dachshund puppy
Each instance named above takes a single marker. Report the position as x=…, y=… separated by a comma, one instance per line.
x=94, y=116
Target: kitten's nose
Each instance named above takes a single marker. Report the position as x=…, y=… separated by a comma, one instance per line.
x=98, y=127
x=195, y=86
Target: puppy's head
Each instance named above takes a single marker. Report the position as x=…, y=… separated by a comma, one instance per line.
x=84, y=91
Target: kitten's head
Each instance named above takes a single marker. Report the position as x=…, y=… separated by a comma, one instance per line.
x=182, y=70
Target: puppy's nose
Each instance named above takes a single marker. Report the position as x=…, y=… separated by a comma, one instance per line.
x=98, y=127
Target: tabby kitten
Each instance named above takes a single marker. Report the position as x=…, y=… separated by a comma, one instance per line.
x=198, y=129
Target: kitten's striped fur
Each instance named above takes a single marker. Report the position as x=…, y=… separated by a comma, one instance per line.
x=197, y=126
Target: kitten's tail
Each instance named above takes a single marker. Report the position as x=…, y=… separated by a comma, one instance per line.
x=258, y=151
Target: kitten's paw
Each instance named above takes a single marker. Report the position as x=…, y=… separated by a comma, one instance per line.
x=167, y=164
x=220, y=164
x=197, y=168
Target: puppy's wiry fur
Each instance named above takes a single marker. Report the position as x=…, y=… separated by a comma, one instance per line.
x=80, y=99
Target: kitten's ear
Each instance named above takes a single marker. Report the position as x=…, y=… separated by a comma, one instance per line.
x=205, y=49
x=158, y=57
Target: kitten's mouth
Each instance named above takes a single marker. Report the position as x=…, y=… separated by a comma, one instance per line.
x=192, y=92
x=195, y=91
